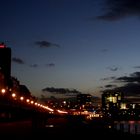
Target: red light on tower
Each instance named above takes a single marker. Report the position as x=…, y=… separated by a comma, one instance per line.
x=2, y=45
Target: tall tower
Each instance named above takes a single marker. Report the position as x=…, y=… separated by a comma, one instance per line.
x=5, y=62
x=111, y=103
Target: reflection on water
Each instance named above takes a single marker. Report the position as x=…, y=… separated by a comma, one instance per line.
x=49, y=125
x=132, y=127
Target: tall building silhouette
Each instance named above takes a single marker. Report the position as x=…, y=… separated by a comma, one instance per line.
x=5, y=62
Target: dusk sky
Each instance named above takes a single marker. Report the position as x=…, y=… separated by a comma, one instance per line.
x=80, y=45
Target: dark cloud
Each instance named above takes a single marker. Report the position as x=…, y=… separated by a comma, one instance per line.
x=17, y=60
x=104, y=50
x=109, y=78
x=110, y=86
x=46, y=44
x=130, y=89
x=60, y=90
x=113, y=68
x=134, y=77
x=50, y=65
x=137, y=67
x=34, y=65
x=131, y=86
x=118, y=9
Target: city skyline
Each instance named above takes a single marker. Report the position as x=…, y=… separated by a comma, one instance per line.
x=73, y=45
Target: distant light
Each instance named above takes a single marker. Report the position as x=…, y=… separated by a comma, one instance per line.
x=60, y=111
x=49, y=125
x=109, y=126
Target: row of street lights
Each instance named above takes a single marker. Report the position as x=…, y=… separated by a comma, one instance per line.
x=4, y=95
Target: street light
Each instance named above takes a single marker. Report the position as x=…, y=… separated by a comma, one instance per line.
x=3, y=91
x=13, y=95
x=21, y=98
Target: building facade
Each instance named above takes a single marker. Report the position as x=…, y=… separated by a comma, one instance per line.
x=111, y=103
x=5, y=62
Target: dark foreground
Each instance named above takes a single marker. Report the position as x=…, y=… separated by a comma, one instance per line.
x=60, y=128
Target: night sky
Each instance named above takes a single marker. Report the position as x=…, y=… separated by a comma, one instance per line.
x=82, y=46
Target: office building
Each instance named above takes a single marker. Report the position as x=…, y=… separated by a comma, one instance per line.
x=111, y=103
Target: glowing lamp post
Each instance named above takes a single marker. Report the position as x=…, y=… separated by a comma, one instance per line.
x=3, y=91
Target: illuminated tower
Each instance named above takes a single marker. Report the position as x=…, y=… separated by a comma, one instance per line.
x=5, y=62
x=111, y=102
